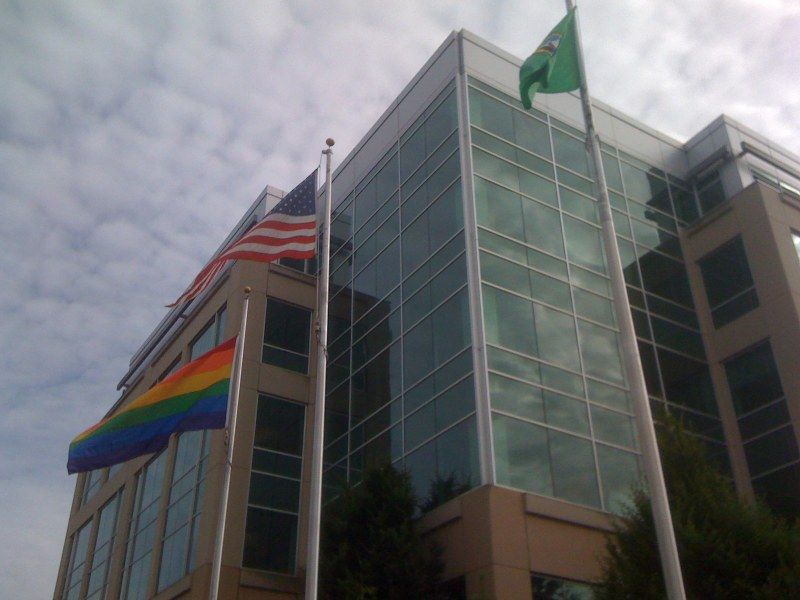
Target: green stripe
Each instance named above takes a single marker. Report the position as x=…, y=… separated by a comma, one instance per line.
x=166, y=407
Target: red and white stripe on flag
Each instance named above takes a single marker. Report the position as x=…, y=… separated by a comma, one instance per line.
x=286, y=232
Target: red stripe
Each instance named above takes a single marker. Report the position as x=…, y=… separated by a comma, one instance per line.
x=268, y=223
x=264, y=257
x=265, y=240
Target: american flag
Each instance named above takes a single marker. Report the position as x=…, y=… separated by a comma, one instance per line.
x=289, y=230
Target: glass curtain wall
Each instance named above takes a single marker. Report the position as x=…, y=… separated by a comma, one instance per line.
x=136, y=570
x=185, y=503
x=399, y=383
x=104, y=544
x=561, y=413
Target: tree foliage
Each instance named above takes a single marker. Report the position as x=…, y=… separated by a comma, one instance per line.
x=370, y=549
x=728, y=549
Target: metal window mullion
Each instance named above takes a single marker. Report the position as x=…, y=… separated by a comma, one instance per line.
x=595, y=458
x=483, y=414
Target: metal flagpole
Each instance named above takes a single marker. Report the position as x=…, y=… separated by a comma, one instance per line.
x=315, y=501
x=230, y=436
x=667, y=545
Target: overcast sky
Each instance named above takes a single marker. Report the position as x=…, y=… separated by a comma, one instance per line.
x=133, y=135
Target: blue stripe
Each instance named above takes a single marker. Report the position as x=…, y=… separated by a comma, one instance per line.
x=146, y=438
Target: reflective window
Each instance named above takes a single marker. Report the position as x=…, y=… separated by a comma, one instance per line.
x=769, y=440
x=436, y=338
x=446, y=466
x=728, y=282
x=274, y=499
x=796, y=242
x=781, y=489
x=136, y=570
x=286, y=336
x=710, y=192
x=210, y=337
x=104, y=545
x=571, y=152
x=91, y=484
x=546, y=587
x=77, y=562
x=185, y=504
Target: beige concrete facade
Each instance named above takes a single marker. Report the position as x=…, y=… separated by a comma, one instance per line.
x=765, y=219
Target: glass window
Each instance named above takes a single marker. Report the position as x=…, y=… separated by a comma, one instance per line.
x=446, y=466
x=210, y=336
x=185, y=505
x=771, y=450
x=645, y=187
x=583, y=244
x=728, y=283
x=753, y=379
x=286, y=336
x=781, y=489
x=104, y=545
x=665, y=277
x=436, y=382
x=521, y=455
x=436, y=338
x=440, y=222
x=376, y=383
x=600, y=351
x=574, y=474
x=710, y=191
x=571, y=152
x=687, y=382
x=491, y=114
x=77, y=562
x=92, y=483
x=796, y=242
x=621, y=476
x=143, y=529
x=553, y=588
x=435, y=291
x=685, y=204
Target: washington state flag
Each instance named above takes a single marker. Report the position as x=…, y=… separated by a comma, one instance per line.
x=553, y=67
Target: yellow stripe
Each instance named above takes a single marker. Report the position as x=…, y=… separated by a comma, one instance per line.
x=164, y=390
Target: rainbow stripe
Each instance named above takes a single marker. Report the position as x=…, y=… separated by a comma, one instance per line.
x=194, y=397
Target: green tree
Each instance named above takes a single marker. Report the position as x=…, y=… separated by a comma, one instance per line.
x=728, y=549
x=370, y=548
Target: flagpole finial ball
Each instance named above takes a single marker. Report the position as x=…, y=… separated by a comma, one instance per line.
x=330, y=142
x=247, y=289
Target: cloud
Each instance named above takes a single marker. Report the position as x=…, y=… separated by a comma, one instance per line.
x=134, y=135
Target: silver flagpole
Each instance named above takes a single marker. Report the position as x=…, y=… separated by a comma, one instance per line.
x=315, y=501
x=667, y=546
x=230, y=436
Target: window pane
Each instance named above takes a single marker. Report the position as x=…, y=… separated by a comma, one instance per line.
x=287, y=328
x=600, y=351
x=583, y=244
x=279, y=425
x=571, y=152
x=574, y=475
x=515, y=397
x=620, y=474
x=521, y=455
x=726, y=275
x=270, y=540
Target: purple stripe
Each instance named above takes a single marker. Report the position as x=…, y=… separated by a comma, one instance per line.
x=146, y=438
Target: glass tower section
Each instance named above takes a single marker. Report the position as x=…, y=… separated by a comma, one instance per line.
x=562, y=420
x=399, y=383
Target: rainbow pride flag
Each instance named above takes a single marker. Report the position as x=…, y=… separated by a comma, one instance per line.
x=194, y=397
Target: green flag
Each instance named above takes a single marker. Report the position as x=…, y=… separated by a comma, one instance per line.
x=553, y=67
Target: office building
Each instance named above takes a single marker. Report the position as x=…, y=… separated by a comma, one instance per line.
x=473, y=342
